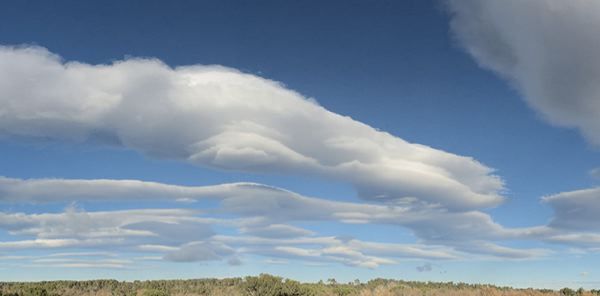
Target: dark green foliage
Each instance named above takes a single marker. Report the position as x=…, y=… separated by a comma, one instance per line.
x=268, y=285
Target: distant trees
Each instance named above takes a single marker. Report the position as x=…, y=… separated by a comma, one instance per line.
x=28, y=291
x=579, y=292
x=567, y=292
x=269, y=285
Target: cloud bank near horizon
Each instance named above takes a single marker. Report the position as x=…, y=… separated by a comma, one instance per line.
x=269, y=216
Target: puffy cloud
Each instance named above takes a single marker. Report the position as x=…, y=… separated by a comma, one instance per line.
x=547, y=49
x=219, y=117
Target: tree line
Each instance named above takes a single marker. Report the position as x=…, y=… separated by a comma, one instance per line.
x=269, y=285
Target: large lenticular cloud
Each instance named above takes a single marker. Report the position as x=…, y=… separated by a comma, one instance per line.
x=548, y=49
x=219, y=117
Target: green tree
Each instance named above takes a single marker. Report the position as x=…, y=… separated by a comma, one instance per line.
x=567, y=292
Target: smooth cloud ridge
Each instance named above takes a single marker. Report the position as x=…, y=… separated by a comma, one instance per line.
x=222, y=118
x=548, y=49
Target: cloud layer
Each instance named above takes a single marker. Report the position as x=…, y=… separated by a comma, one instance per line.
x=262, y=215
x=222, y=118
x=548, y=49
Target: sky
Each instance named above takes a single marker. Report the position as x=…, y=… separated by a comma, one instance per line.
x=437, y=140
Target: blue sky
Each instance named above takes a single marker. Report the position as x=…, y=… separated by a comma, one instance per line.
x=399, y=139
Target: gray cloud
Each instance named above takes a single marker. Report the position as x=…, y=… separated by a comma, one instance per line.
x=575, y=210
x=547, y=49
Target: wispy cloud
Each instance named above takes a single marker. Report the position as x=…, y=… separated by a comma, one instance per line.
x=260, y=212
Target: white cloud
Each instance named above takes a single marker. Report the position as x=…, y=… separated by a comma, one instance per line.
x=548, y=49
x=498, y=251
x=39, y=243
x=405, y=250
x=335, y=254
x=259, y=210
x=175, y=233
x=81, y=225
x=393, y=250
x=81, y=263
x=219, y=117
